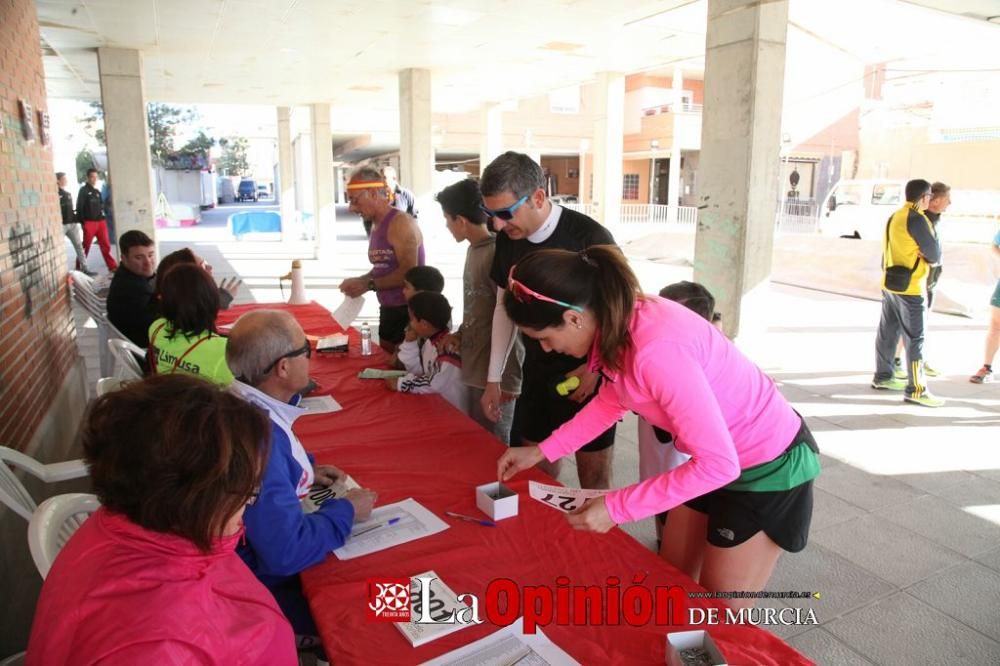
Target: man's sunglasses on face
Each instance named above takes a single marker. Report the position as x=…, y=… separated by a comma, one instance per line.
x=505, y=214
x=304, y=349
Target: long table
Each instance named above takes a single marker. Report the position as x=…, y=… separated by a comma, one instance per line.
x=420, y=446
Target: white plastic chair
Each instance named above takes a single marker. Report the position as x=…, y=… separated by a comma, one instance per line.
x=97, y=308
x=12, y=491
x=127, y=356
x=108, y=385
x=54, y=522
x=14, y=659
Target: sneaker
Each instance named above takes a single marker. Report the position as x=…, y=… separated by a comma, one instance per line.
x=929, y=371
x=898, y=371
x=890, y=384
x=925, y=399
x=983, y=376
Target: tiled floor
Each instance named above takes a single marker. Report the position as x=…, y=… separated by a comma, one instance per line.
x=905, y=542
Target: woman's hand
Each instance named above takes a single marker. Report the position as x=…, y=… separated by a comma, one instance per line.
x=588, y=383
x=591, y=517
x=517, y=459
x=449, y=343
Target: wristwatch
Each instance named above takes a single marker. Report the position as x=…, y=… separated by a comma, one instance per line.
x=371, y=285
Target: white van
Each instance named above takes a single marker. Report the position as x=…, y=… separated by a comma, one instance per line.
x=860, y=208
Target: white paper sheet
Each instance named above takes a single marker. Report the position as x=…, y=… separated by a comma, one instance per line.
x=319, y=494
x=348, y=311
x=507, y=647
x=561, y=498
x=415, y=522
x=320, y=404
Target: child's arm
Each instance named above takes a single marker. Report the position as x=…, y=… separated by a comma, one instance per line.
x=409, y=356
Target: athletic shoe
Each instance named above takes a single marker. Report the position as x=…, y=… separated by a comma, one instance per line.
x=929, y=371
x=982, y=376
x=891, y=384
x=925, y=399
x=898, y=371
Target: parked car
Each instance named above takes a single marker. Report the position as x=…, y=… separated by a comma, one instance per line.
x=247, y=190
x=262, y=192
x=860, y=208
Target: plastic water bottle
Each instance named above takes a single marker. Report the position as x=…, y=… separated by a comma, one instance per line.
x=366, y=339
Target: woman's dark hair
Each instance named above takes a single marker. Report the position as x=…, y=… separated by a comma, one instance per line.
x=189, y=300
x=425, y=278
x=597, y=278
x=176, y=454
x=463, y=198
x=692, y=295
x=182, y=256
x=432, y=308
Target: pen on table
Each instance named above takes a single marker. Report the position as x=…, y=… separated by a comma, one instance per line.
x=391, y=521
x=481, y=521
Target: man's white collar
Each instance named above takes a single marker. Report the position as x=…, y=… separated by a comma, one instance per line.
x=548, y=226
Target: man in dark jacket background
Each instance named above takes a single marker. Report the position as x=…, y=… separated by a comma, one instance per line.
x=131, y=307
x=70, y=226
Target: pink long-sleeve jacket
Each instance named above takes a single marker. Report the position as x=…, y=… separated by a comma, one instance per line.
x=684, y=376
x=121, y=594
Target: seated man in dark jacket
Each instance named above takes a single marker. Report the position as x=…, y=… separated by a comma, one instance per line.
x=130, y=299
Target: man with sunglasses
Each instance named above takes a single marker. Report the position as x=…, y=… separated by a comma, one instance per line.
x=394, y=247
x=515, y=201
x=269, y=354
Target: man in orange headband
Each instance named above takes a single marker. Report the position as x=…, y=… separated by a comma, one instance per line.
x=394, y=247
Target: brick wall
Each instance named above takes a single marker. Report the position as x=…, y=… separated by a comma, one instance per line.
x=37, y=337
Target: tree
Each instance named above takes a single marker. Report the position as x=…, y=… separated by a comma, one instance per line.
x=84, y=161
x=162, y=119
x=234, y=160
x=200, y=144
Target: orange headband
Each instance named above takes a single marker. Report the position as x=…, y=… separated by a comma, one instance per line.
x=366, y=184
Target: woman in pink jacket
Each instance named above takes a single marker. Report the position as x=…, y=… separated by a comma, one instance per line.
x=746, y=493
x=152, y=577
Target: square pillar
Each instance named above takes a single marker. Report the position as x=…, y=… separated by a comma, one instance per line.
x=674, y=168
x=739, y=161
x=416, y=149
x=491, y=134
x=324, y=209
x=609, y=130
x=285, y=190
x=126, y=130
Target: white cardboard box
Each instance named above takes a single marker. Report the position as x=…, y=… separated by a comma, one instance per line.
x=496, y=500
x=685, y=640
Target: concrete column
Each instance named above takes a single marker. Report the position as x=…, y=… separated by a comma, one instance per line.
x=491, y=134
x=674, y=168
x=126, y=129
x=285, y=190
x=609, y=130
x=584, y=173
x=323, y=204
x=739, y=161
x=416, y=149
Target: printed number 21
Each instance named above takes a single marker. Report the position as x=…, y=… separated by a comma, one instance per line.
x=566, y=504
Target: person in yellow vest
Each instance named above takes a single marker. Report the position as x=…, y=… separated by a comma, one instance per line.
x=910, y=249
x=185, y=339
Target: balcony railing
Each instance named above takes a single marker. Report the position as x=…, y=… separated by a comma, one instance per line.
x=646, y=214
x=796, y=216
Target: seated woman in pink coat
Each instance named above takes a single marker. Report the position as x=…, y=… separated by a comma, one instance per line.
x=152, y=577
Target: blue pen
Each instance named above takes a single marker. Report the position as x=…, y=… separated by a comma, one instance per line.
x=483, y=522
x=391, y=521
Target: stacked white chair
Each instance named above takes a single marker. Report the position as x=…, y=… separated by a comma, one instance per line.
x=127, y=356
x=54, y=522
x=13, y=493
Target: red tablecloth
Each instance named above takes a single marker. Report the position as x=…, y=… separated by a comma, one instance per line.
x=421, y=447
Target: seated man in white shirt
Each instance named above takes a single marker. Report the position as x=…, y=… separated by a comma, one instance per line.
x=269, y=354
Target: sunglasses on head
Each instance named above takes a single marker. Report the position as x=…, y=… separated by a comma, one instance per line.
x=304, y=349
x=524, y=294
x=505, y=214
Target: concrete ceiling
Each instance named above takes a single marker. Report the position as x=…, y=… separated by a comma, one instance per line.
x=348, y=53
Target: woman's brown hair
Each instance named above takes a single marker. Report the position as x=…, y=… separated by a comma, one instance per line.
x=598, y=279
x=176, y=454
x=189, y=300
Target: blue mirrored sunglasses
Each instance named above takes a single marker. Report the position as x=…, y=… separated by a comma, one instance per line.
x=505, y=214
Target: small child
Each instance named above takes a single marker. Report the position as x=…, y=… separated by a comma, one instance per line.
x=422, y=278
x=657, y=453
x=429, y=371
